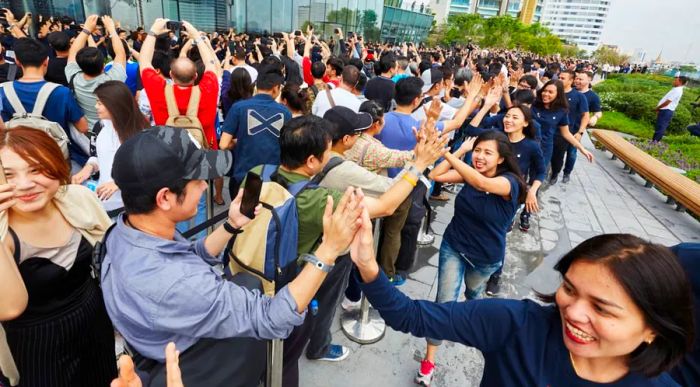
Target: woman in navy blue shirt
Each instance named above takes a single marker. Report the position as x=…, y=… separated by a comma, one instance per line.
x=622, y=316
x=551, y=111
x=520, y=129
x=474, y=242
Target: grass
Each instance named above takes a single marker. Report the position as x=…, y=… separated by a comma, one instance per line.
x=680, y=151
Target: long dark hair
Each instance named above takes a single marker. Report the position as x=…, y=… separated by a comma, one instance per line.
x=559, y=102
x=655, y=281
x=126, y=116
x=510, y=162
x=529, y=131
x=296, y=97
x=241, y=85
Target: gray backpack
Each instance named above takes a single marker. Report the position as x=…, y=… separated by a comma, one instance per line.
x=35, y=119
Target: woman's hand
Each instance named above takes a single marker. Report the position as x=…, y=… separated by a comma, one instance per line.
x=339, y=227
x=83, y=175
x=588, y=155
x=235, y=217
x=362, y=249
x=531, y=201
x=467, y=145
x=7, y=196
x=106, y=190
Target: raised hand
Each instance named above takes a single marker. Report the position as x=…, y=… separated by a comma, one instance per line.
x=475, y=85
x=235, y=217
x=91, y=23
x=339, y=226
x=127, y=374
x=493, y=96
x=362, y=249
x=7, y=196
x=159, y=26
x=432, y=111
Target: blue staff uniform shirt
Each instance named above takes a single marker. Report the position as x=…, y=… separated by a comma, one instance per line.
x=593, y=99
x=256, y=123
x=398, y=134
x=687, y=372
x=496, y=122
x=550, y=121
x=578, y=105
x=521, y=341
x=60, y=107
x=480, y=222
x=530, y=159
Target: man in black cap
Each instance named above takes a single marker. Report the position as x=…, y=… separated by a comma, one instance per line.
x=159, y=287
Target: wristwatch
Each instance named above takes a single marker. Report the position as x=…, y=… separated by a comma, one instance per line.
x=317, y=263
x=230, y=229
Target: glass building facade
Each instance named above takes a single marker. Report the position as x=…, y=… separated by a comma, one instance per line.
x=401, y=25
x=364, y=17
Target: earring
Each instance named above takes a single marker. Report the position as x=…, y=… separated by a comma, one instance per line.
x=649, y=341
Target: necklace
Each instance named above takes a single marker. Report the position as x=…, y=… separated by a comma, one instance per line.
x=573, y=364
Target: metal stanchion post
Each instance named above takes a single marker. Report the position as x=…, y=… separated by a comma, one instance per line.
x=364, y=326
x=274, y=363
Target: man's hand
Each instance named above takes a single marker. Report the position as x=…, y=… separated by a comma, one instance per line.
x=339, y=227
x=362, y=249
x=9, y=16
x=91, y=23
x=593, y=121
x=159, y=26
x=493, y=96
x=109, y=25
x=432, y=112
x=194, y=33
x=475, y=85
x=235, y=217
x=429, y=149
x=127, y=375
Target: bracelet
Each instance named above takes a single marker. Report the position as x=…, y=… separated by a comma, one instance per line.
x=86, y=32
x=412, y=182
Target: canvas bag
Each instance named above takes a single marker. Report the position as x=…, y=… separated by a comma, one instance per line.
x=189, y=121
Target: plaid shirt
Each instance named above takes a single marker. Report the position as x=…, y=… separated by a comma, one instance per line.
x=371, y=154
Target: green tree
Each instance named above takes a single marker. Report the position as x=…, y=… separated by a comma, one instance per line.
x=611, y=56
x=368, y=23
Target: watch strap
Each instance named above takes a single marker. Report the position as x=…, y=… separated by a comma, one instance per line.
x=230, y=229
x=317, y=263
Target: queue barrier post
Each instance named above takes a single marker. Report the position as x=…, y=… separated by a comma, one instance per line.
x=365, y=326
x=274, y=363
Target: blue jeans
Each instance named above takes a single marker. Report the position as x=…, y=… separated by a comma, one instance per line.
x=571, y=153
x=663, y=119
x=199, y=218
x=453, y=268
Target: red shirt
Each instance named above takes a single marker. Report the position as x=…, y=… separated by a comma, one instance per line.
x=154, y=85
x=308, y=77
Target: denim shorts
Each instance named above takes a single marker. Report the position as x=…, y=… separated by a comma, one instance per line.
x=453, y=268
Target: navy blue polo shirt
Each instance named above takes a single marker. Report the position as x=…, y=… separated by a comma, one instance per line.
x=496, y=122
x=578, y=104
x=530, y=159
x=594, y=105
x=256, y=123
x=480, y=222
x=550, y=121
x=687, y=372
x=521, y=341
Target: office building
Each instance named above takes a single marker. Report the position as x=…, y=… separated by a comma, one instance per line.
x=487, y=8
x=579, y=22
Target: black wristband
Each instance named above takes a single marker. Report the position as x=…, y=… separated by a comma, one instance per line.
x=230, y=229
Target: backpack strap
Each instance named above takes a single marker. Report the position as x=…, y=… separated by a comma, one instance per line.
x=330, y=98
x=314, y=88
x=193, y=105
x=170, y=101
x=12, y=97
x=332, y=163
x=12, y=72
x=422, y=102
x=99, y=252
x=42, y=97
x=71, y=82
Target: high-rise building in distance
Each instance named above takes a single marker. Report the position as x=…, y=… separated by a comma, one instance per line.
x=580, y=22
x=486, y=8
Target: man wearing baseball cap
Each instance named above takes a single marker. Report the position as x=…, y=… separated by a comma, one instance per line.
x=160, y=287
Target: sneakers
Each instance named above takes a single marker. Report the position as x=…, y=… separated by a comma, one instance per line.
x=492, y=286
x=553, y=180
x=524, y=222
x=441, y=198
x=565, y=179
x=397, y=280
x=349, y=306
x=425, y=239
x=425, y=373
x=335, y=353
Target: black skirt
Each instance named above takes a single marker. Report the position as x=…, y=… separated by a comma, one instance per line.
x=72, y=348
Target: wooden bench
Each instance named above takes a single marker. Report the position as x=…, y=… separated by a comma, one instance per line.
x=679, y=189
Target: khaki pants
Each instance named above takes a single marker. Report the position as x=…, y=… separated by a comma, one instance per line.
x=391, y=237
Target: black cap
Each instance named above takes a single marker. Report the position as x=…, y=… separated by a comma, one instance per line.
x=347, y=121
x=161, y=156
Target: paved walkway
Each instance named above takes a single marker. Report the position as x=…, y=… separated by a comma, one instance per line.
x=600, y=198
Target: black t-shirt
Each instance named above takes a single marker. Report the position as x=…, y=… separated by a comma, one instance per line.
x=4, y=70
x=56, y=72
x=381, y=90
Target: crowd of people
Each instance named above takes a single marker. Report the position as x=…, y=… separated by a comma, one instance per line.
x=110, y=139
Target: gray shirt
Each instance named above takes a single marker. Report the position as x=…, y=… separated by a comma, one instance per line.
x=158, y=290
x=84, y=89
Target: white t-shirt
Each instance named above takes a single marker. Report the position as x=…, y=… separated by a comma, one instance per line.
x=106, y=146
x=675, y=96
x=341, y=97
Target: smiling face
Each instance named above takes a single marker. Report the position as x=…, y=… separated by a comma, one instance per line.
x=549, y=94
x=582, y=81
x=485, y=157
x=599, y=319
x=514, y=121
x=33, y=189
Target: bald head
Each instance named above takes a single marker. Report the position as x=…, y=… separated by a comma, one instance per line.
x=351, y=75
x=183, y=71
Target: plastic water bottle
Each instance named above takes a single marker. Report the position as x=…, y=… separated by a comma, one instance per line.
x=314, y=307
x=92, y=185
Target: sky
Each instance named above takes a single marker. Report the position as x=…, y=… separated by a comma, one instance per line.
x=653, y=25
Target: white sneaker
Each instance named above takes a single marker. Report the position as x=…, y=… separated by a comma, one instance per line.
x=425, y=374
x=425, y=239
x=350, y=306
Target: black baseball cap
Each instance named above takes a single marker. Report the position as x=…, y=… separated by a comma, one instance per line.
x=347, y=121
x=161, y=156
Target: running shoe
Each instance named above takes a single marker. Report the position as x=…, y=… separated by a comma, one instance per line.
x=349, y=305
x=524, y=222
x=335, y=353
x=492, y=286
x=425, y=373
x=565, y=179
x=397, y=280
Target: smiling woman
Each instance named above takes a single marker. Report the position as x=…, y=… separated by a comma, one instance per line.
x=49, y=228
x=621, y=317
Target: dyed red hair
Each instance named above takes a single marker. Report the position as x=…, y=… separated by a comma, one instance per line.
x=37, y=147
